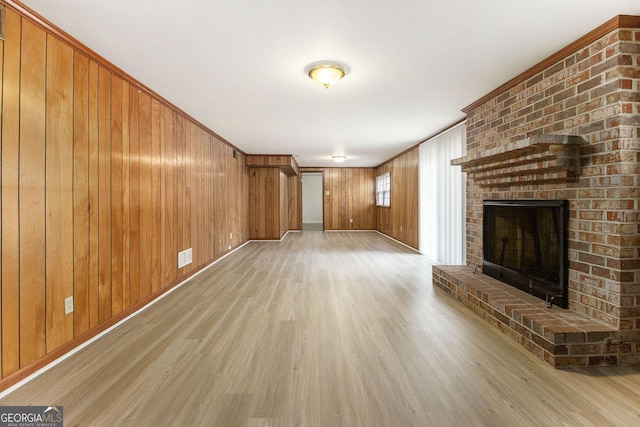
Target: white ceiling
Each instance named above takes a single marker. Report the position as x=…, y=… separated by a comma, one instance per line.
x=237, y=66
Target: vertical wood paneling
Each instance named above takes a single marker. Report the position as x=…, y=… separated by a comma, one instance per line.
x=245, y=200
x=265, y=203
x=156, y=203
x=216, y=204
x=235, y=202
x=284, y=204
x=94, y=198
x=117, y=194
x=254, y=203
x=227, y=209
x=350, y=203
x=226, y=158
x=134, y=197
x=351, y=197
x=216, y=214
x=234, y=188
x=204, y=226
x=126, y=195
x=168, y=138
x=1, y=98
x=59, y=192
x=343, y=201
x=81, y=231
x=295, y=202
x=10, y=277
x=146, y=205
x=330, y=211
x=32, y=193
x=400, y=221
x=178, y=192
x=192, y=195
x=104, y=195
x=200, y=255
x=101, y=186
x=220, y=197
x=185, y=219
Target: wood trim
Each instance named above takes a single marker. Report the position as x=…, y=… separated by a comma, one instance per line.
x=53, y=30
x=321, y=168
x=286, y=162
x=620, y=21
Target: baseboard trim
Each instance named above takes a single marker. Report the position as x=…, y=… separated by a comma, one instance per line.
x=18, y=379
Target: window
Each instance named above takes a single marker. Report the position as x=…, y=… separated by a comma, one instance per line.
x=383, y=189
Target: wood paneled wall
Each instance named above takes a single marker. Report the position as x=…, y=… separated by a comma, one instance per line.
x=102, y=185
x=295, y=202
x=400, y=220
x=350, y=204
x=275, y=199
x=284, y=204
x=268, y=201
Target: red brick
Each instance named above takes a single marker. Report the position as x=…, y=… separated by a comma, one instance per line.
x=591, y=215
x=632, y=48
x=583, y=97
x=592, y=259
x=606, y=65
x=565, y=94
x=604, y=205
x=590, y=62
x=595, y=81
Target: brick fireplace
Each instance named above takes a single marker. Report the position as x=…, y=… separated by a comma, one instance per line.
x=567, y=129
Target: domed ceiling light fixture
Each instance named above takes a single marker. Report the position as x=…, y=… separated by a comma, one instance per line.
x=326, y=74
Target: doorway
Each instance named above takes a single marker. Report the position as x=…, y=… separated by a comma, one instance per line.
x=312, y=201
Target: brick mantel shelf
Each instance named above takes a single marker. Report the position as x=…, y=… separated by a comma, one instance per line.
x=535, y=159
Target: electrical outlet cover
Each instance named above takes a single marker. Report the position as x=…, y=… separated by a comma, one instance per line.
x=68, y=305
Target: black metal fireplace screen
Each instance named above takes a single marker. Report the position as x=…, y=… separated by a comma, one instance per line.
x=524, y=245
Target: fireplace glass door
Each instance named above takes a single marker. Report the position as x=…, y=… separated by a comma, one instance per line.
x=524, y=245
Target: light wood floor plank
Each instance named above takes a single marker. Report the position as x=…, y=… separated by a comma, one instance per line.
x=322, y=329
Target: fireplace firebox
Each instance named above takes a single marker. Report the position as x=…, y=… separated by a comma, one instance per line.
x=524, y=245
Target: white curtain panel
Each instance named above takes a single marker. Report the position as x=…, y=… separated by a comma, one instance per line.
x=442, y=198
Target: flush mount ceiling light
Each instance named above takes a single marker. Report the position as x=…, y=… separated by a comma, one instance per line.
x=326, y=74
x=339, y=159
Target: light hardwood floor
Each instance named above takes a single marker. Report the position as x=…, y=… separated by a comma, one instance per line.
x=322, y=329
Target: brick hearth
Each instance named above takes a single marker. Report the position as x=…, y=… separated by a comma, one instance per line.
x=558, y=336
x=588, y=93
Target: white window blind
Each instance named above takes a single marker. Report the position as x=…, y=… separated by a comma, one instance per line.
x=442, y=198
x=383, y=190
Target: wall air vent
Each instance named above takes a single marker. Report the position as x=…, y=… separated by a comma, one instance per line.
x=184, y=257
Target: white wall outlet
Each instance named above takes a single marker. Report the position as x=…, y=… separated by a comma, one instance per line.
x=68, y=305
x=229, y=247
x=185, y=257
x=230, y=235
x=351, y=220
x=326, y=193
x=400, y=228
